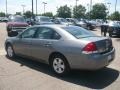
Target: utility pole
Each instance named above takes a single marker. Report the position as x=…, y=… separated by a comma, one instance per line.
x=36, y=7
x=6, y=7
x=115, y=5
x=23, y=6
x=44, y=6
x=32, y=11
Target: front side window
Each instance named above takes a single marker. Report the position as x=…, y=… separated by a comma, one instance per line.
x=29, y=33
x=47, y=33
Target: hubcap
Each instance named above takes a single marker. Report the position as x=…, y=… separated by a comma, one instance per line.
x=10, y=51
x=58, y=65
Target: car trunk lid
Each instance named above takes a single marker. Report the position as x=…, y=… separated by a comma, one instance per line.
x=103, y=44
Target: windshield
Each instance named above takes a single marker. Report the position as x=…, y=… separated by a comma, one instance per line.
x=45, y=19
x=78, y=32
x=17, y=19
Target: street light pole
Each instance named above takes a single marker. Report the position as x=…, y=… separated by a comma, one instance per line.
x=76, y=7
x=115, y=5
x=109, y=7
x=90, y=7
x=44, y=6
x=32, y=11
x=6, y=7
x=23, y=8
x=36, y=7
x=71, y=10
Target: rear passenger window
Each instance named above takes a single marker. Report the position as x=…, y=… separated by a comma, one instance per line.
x=47, y=33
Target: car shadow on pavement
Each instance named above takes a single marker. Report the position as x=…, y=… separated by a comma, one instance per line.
x=94, y=79
x=118, y=39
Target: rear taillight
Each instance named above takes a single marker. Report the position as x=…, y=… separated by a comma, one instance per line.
x=90, y=48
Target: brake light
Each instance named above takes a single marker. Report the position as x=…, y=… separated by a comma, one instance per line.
x=90, y=48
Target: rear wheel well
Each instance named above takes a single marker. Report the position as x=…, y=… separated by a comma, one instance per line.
x=54, y=54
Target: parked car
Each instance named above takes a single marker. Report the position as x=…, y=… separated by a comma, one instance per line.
x=61, y=21
x=16, y=24
x=30, y=21
x=114, y=28
x=91, y=24
x=62, y=47
x=5, y=19
x=71, y=21
x=42, y=20
x=81, y=23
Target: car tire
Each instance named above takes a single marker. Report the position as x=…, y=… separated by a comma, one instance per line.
x=110, y=34
x=60, y=65
x=10, y=51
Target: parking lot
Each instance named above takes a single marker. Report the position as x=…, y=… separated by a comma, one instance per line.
x=24, y=74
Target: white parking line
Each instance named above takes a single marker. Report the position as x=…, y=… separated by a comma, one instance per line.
x=2, y=52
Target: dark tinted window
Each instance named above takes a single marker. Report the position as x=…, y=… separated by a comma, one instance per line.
x=78, y=32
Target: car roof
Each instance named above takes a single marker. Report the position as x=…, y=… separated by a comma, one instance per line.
x=42, y=16
x=54, y=26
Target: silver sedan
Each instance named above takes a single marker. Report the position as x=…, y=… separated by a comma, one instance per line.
x=62, y=47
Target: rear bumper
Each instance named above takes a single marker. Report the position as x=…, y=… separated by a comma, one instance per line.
x=18, y=29
x=91, y=62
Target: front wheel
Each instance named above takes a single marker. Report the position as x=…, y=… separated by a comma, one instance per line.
x=10, y=51
x=60, y=65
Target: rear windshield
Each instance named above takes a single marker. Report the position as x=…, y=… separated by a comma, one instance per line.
x=79, y=32
x=45, y=19
x=17, y=19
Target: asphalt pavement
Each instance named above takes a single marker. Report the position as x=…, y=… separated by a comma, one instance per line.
x=24, y=74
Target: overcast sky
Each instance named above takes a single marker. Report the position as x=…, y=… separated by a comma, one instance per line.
x=15, y=5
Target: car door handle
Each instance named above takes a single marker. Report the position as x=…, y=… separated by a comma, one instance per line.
x=47, y=44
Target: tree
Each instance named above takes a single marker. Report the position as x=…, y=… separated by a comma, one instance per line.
x=79, y=11
x=28, y=14
x=18, y=13
x=99, y=11
x=64, y=12
x=2, y=14
x=87, y=15
x=49, y=14
x=115, y=16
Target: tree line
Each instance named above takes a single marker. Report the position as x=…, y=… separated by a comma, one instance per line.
x=98, y=11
